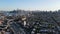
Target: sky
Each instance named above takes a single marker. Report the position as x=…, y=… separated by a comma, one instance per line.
x=30, y=4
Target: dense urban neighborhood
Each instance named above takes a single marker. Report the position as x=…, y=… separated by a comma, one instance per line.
x=29, y=22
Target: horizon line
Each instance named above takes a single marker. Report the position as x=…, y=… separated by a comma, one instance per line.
x=30, y=10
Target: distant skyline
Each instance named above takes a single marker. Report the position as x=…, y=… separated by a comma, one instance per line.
x=30, y=5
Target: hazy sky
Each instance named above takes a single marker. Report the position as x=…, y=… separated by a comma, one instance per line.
x=30, y=4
